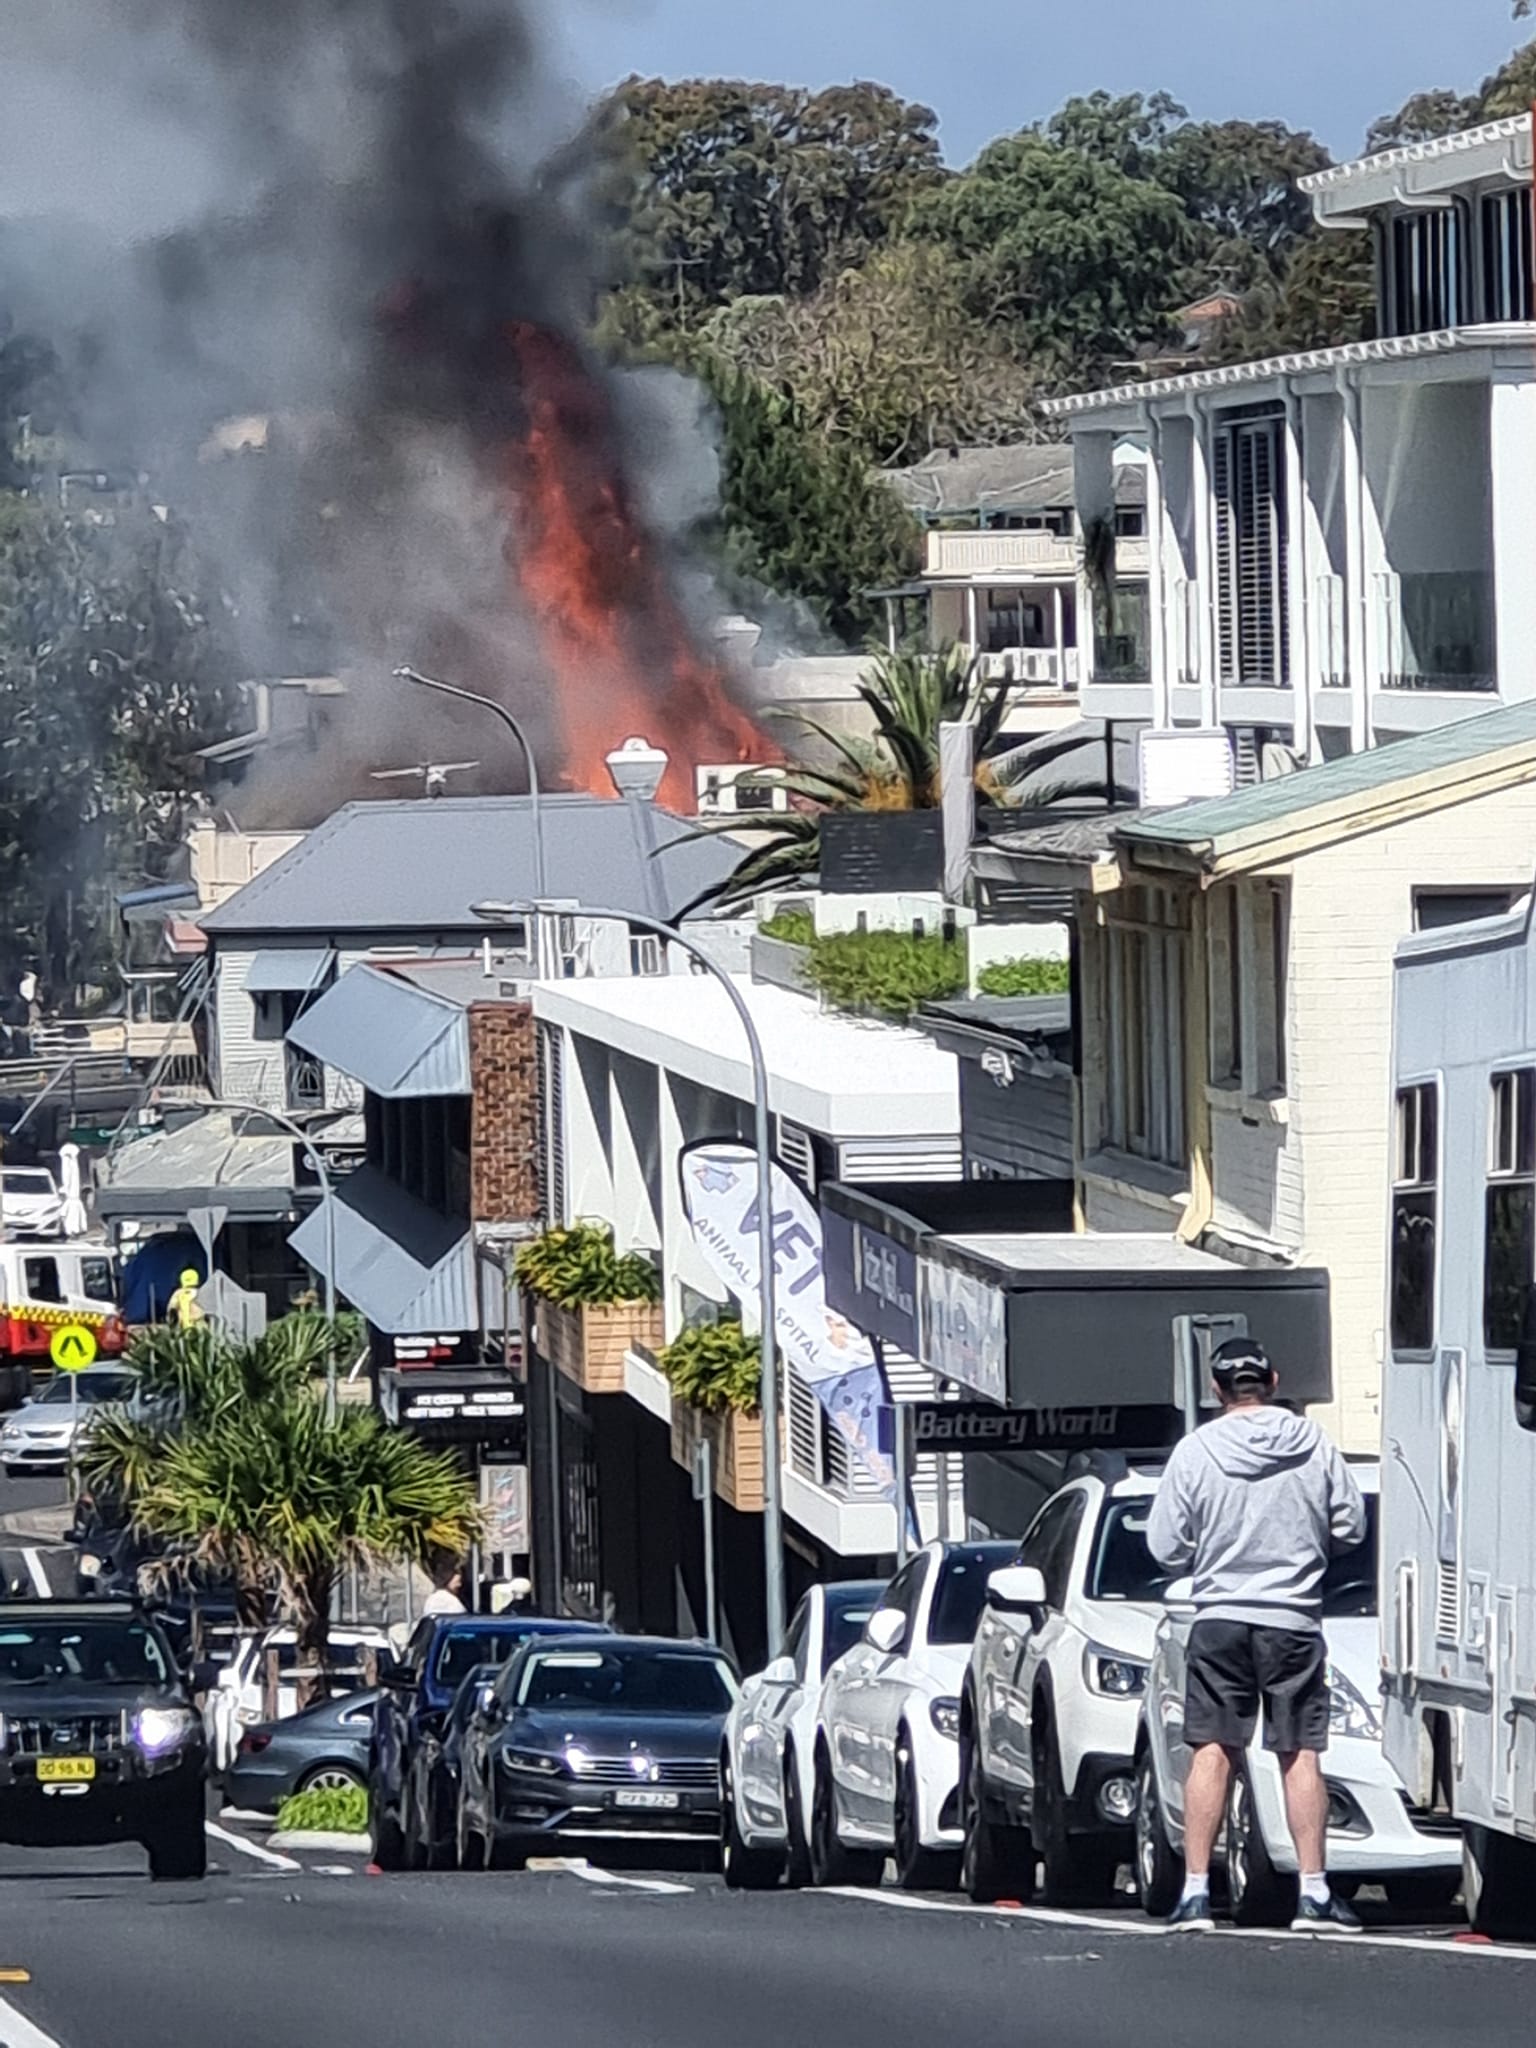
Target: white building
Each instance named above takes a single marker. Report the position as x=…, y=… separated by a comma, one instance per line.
x=1341, y=542
x=644, y=1067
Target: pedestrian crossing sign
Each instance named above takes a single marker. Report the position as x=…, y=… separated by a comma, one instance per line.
x=73, y=1347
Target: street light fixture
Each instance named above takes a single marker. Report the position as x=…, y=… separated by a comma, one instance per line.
x=412, y=675
x=236, y=1107
x=773, y=1510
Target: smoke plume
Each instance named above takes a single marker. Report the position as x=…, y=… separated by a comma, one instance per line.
x=357, y=230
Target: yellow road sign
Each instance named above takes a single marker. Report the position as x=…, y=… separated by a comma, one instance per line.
x=73, y=1347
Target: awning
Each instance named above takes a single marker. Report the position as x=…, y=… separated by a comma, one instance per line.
x=294, y=970
x=398, y=1040
x=215, y=1159
x=153, y=905
x=406, y=1268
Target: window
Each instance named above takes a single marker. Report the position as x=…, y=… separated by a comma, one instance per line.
x=797, y=1639
x=1506, y=222
x=1433, y=909
x=1252, y=542
x=1226, y=985
x=1051, y=1541
x=1426, y=289
x=961, y=1593
x=41, y=1280
x=1415, y=1200
x=1123, y=1568
x=1509, y=1246
x=1131, y=522
x=97, y=1281
x=904, y=1592
x=1249, y=947
x=1146, y=953
x=844, y=1623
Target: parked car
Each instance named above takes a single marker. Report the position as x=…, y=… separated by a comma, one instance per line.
x=416, y=1696
x=1051, y=1702
x=326, y=1745
x=31, y=1204
x=237, y=1700
x=46, y=1431
x=887, y=1755
x=432, y=1795
x=99, y=1741
x=767, y=1761
x=581, y=1740
x=1373, y=1836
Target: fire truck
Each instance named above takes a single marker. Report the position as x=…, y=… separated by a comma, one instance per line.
x=46, y=1287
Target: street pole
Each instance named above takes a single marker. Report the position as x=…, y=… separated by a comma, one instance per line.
x=773, y=1507
x=535, y=795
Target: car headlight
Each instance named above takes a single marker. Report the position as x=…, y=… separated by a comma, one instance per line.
x=945, y=1716
x=530, y=1760
x=159, y=1729
x=1113, y=1676
x=1349, y=1711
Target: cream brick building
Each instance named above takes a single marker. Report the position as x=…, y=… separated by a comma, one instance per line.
x=1235, y=1000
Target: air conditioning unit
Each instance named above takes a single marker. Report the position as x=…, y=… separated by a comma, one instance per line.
x=998, y=668
x=569, y=947
x=1039, y=665
x=647, y=955
x=720, y=792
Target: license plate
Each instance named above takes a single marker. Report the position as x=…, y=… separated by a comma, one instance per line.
x=648, y=1802
x=65, y=1770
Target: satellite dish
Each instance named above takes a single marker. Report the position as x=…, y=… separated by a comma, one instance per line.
x=432, y=775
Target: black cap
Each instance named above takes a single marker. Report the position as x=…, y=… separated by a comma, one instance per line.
x=1241, y=1362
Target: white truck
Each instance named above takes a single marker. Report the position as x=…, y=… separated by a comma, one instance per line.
x=1458, y=1538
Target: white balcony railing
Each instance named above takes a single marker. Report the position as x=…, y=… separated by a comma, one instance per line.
x=1000, y=554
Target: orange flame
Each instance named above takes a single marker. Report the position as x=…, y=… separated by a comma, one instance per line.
x=619, y=650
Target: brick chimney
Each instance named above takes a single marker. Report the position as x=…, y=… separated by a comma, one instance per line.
x=504, y=1113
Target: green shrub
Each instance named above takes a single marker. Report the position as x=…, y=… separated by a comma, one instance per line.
x=886, y=974
x=716, y=1367
x=794, y=927
x=578, y=1267
x=325, y=1810
x=1025, y=978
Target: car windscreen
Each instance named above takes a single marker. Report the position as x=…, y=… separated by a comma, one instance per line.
x=1122, y=1567
x=60, y=1655
x=19, y=1180
x=461, y=1650
x=1349, y=1584
x=94, y=1387
x=639, y=1681
x=961, y=1592
x=845, y=1624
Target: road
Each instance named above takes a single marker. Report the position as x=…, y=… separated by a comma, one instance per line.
x=27, y=1560
x=261, y=1957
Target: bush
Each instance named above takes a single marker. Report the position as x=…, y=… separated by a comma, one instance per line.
x=716, y=1367
x=325, y=1810
x=1025, y=978
x=579, y=1268
x=793, y=927
x=886, y=974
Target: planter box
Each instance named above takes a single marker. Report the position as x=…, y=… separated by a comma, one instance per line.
x=738, y=1453
x=588, y=1344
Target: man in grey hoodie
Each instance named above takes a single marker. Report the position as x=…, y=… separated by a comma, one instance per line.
x=1254, y=1505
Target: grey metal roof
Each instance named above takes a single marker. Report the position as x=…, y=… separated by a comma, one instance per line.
x=1014, y=1016
x=205, y=1161
x=420, y=865
x=289, y=970
x=1441, y=754
x=407, y=1268
x=390, y=1034
x=1074, y=836
x=1021, y=477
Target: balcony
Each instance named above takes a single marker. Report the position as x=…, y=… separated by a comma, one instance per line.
x=994, y=552
x=1437, y=631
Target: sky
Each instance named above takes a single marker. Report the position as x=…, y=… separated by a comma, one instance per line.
x=1329, y=65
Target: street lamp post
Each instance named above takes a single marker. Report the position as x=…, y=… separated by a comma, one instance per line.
x=773, y=1509
x=236, y=1107
x=412, y=675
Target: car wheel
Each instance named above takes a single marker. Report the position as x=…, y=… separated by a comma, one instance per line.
x=831, y=1863
x=1259, y=1895
x=917, y=1869
x=1079, y=1870
x=505, y=1852
x=797, y=1867
x=331, y=1778
x=1423, y=1891
x=1159, y=1866
x=1499, y=1880
x=997, y=1861
x=178, y=1848
x=437, y=1830
x=744, y=1869
x=386, y=1843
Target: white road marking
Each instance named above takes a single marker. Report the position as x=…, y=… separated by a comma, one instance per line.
x=579, y=1867
x=331, y=1870
x=17, y=2031
x=1441, y=1945
x=41, y=1585
x=233, y=1841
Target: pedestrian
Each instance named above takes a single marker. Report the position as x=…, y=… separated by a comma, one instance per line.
x=448, y=1597
x=1254, y=1505
x=184, y=1308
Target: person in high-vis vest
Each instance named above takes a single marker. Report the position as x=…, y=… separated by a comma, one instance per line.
x=184, y=1308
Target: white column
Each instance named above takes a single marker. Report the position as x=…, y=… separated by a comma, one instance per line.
x=1093, y=467
x=1299, y=578
x=1204, y=607
x=1158, y=629
x=1061, y=637
x=1512, y=421
x=972, y=626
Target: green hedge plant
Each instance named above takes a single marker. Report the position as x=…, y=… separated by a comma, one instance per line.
x=716, y=1367
x=791, y=927
x=577, y=1266
x=325, y=1810
x=886, y=974
x=1025, y=978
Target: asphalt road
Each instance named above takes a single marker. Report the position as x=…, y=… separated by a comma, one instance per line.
x=26, y=1560
x=260, y=1956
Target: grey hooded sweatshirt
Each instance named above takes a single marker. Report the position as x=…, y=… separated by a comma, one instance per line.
x=1254, y=1504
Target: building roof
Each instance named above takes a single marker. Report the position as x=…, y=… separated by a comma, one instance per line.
x=390, y=1034
x=1021, y=477
x=830, y=1073
x=419, y=865
x=408, y=1269
x=249, y=1170
x=1390, y=173
x=1293, y=813
x=1047, y=1256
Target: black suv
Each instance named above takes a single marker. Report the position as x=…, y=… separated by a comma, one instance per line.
x=99, y=1741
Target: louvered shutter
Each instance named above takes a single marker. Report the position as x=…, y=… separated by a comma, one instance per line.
x=551, y=1052
x=1251, y=553
x=1226, y=566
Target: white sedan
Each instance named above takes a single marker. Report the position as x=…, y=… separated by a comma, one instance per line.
x=770, y=1740
x=887, y=1757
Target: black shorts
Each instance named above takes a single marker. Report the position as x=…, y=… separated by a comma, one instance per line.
x=1235, y=1667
